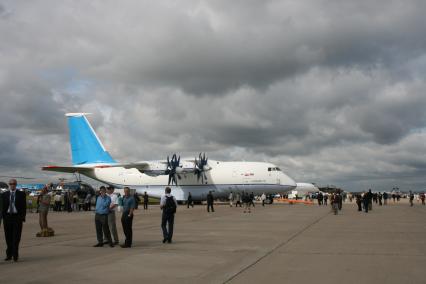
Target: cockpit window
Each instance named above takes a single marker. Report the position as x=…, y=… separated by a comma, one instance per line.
x=273, y=169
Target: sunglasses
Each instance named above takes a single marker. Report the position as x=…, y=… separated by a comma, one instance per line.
x=12, y=183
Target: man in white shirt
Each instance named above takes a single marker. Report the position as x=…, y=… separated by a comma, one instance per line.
x=58, y=201
x=263, y=198
x=168, y=204
x=111, y=216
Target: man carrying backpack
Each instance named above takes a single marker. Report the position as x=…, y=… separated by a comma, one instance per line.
x=168, y=204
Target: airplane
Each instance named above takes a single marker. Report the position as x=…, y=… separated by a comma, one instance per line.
x=302, y=189
x=197, y=176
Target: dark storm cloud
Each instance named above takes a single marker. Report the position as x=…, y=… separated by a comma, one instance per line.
x=214, y=49
x=332, y=91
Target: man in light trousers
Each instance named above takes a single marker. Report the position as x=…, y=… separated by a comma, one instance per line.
x=111, y=216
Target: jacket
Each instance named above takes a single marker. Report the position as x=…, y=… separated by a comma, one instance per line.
x=20, y=203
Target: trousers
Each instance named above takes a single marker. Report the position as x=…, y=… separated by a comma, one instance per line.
x=12, y=230
x=210, y=205
x=112, y=226
x=167, y=219
x=102, y=228
x=127, y=223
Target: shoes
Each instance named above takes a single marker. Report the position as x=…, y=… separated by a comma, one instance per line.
x=164, y=241
x=8, y=258
x=98, y=245
x=105, y=242
x=116, y=243
x=111, y=245
x=169, y=241
x=124, y=246
x=15, y=258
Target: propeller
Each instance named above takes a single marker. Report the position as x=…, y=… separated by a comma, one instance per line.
x=173, y=166
x=201, y=167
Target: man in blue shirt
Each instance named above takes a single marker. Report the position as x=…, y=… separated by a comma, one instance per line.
x=129, y=205
x=101, y=218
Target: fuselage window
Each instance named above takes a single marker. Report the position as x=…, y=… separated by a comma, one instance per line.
x=269, y=169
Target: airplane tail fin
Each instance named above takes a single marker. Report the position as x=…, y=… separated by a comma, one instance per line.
x=86, y=148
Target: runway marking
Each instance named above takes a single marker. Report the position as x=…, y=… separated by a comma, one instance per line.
x=354, y=254
x=280, y=245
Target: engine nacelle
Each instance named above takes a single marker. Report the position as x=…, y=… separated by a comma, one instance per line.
x=206, y=168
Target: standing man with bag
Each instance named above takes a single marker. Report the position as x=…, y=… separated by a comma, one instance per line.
x=129, y=204
x=14, y=212
x=168, y=204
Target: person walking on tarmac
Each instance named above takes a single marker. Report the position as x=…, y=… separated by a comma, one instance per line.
x=189, y=201
x=231, y=199
x=340, y=200
x=358, y=201
x=246, y=202
x=237, y=199
x=385, y=198
x=325, y=198
x=210, y=202
x=263, y=198
x=320, y=198
x=422, y=198
x=334, y=200
x=168, y=204
x=145, y=201
x=367, y=200
x=411, y=196
x=370, y=200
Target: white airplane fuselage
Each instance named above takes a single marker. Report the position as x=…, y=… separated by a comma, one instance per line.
x=222, y=178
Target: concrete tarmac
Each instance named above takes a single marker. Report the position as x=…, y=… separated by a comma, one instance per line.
x=275, y=244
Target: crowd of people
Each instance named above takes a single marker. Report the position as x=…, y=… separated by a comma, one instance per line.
x=13, y=210
x=108, y=204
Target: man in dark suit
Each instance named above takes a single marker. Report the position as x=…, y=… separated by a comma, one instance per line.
x=14, y=210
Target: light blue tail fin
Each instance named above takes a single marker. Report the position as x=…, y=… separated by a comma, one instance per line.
x=86, y=148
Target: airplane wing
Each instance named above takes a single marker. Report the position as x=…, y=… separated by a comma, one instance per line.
x=67, y=169
x=142, y=166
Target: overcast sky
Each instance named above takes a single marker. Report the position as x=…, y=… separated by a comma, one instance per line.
x=331, y=91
